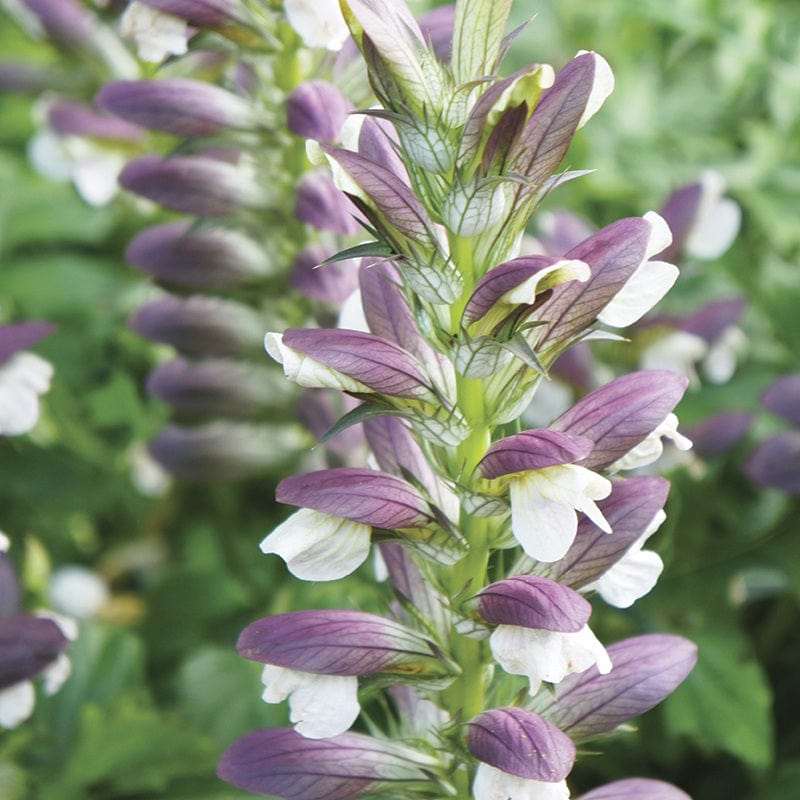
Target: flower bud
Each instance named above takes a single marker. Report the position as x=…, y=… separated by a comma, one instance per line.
x=317, y=110
x=179, y=106
x=199, y=325
x=198, y=185
x=66, y=21
x=207, y=257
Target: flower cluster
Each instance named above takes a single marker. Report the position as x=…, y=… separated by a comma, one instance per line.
x=491, y=533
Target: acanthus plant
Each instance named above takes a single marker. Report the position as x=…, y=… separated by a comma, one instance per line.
x=490, y=534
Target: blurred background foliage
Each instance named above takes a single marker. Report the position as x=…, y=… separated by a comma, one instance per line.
x=157, y=689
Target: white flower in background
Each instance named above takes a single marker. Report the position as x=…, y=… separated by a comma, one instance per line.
x=717, y=220
x=494, y=784
x=157, y=35
x=77, y=591
x=723, y=355
x=23, y=377
x=319, y=705
x=677, y=351
x=318, y=22
x=147, y=475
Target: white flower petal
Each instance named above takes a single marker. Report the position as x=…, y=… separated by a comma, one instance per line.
x=319, y=705
x=23, y=377
x=723, y=355
x=547, y=278
x=48, y=156
x=95, y=176
x=306, y=371
x=351, y=314
x=494, y=784
x=319, y=547
x=55, y=674
x=632, y=577
x=546, y=655
x=650, y=449
x=677, y=351
x=660, y=234
x=5, y=542
x=318, y=22
x=717, y=222
x=157, y=34
x=651, y=281
x=16, y=704
x=602, y=87
x=77, y=591
x=543, y=504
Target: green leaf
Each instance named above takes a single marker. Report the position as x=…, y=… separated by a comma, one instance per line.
x=234, y=706
x=123, y=749
x=725, y=703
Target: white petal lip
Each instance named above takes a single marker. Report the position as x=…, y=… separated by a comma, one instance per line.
x=494, y=784
x=16, y=704
x=547, y=655
x=560, y=272
x=543, y=505
x=632, y=577
x=651, y=281
x=602, y=87
x=320, y=706
x=319, y=547
x=660, y=234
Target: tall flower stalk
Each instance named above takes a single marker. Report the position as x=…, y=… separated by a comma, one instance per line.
x=490, y=534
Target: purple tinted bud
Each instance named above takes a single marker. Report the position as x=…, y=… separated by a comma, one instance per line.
x=376, y=362
x=317, y=110
x=19, y=335
x=776, y=462
x=782, y=397
x=26, y=78
x=200, y=325
x=394, y=200
x=223, y=450
x=66, y=21
x=620, y=414
x=331, y=283
x=9, y=588
x=198, y=185
x=27, y=645
x=338, y=642
x=203, y=13
x=68, y=118
x=645, y=670
x=533, y=449
x=521, y=743
x=533, y=602
x=715, y=435
x=207, y=257
x=629, y=510
x=218, y=387
x=319, y=203
x=713, y=318
x=363, y=495
x=280, y=762
x=636, y=789
x=176, y=105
